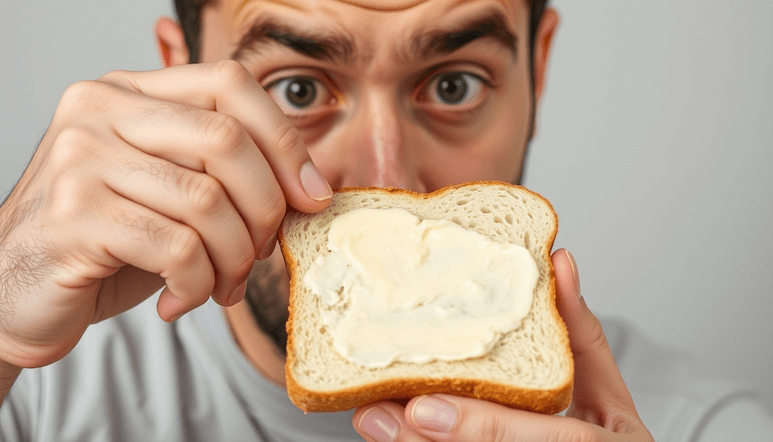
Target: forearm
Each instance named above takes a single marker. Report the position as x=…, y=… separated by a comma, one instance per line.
x=8, y=375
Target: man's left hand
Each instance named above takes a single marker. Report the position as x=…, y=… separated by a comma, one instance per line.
x=601, y=410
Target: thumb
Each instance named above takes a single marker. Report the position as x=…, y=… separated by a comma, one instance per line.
x=600, y=394
x=447, y=418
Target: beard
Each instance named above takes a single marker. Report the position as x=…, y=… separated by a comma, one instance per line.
x=267, y=296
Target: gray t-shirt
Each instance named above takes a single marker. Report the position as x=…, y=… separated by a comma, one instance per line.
x=137, y=378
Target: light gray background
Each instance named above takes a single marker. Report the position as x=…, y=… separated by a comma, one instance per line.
x=654, y=146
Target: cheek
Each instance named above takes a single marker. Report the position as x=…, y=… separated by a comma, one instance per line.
x=493, y=150
x=500, y=159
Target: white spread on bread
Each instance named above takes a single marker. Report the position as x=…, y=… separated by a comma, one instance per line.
x=396, y=288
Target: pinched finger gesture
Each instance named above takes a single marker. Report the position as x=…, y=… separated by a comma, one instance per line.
x=179, y=177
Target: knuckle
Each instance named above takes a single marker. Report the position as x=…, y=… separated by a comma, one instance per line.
x=70, y=198
x=232, y=74
x=74, y=97
x=185, y=246
x=114, y=77
x=579, y=432
x=205, y=193
x=244, y=262
x=621, y=422
x=223, y=132
x=70, y=146
x=83, y=97
x=288, y=139
x=495, y=430
x=76, y=91
x=273, y=211
x=595, y=341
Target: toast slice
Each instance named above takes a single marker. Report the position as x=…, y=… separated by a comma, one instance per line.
x=529, y=368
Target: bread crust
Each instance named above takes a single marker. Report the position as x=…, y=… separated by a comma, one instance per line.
x=548, y=401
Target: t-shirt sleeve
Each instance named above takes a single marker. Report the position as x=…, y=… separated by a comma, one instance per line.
x=17, y=414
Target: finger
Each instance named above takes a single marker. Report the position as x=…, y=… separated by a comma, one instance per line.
x=162, y=246
x=384, y=422
x=599, y=386
x=229, y=88
x=193, y=199
x=211, y=143
x=445, y=418
x=114, y=231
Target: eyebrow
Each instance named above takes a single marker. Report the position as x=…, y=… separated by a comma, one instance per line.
x=337, y=47
x=325, y=45
x=441, y=42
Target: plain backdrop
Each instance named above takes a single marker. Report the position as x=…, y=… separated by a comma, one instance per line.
x=654, y=146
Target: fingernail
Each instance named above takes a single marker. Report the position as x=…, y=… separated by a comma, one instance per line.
x=575, y=273
x=314, y=184
x=434, y=414
x=268, y=247
x=175, y=318
x=237, y=295
x=379, y=425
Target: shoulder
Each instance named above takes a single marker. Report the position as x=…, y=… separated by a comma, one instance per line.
x=87, y=391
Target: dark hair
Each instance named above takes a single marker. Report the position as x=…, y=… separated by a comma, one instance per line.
x=535, y=16
x=189, y=15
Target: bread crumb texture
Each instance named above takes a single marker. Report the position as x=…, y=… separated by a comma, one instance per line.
x=530, y=367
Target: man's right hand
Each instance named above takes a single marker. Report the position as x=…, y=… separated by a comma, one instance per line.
x=178, y=177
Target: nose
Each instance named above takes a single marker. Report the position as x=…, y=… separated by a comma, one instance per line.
x=377, y=145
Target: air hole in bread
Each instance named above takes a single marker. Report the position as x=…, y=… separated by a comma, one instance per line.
x=513, y=360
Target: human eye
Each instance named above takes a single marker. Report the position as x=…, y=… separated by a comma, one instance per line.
x=457, y=89
x=298, y=94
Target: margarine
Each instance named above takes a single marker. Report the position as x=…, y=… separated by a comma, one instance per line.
x=394, y=288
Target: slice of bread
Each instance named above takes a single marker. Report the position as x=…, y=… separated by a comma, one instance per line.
x=530, y=368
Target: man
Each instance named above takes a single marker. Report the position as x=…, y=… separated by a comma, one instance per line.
x=180, y=177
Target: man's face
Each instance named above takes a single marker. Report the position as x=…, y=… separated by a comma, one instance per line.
x=416, y=94
x=404, y=93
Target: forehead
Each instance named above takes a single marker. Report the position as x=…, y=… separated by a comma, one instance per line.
x=364, y=17
x=374, y=5
x=371, y=28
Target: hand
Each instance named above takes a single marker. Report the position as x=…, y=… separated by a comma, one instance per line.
x=601, y=408
x=178, y=177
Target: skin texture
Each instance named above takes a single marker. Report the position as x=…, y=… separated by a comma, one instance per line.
x=180, y=178
x=389, y=135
